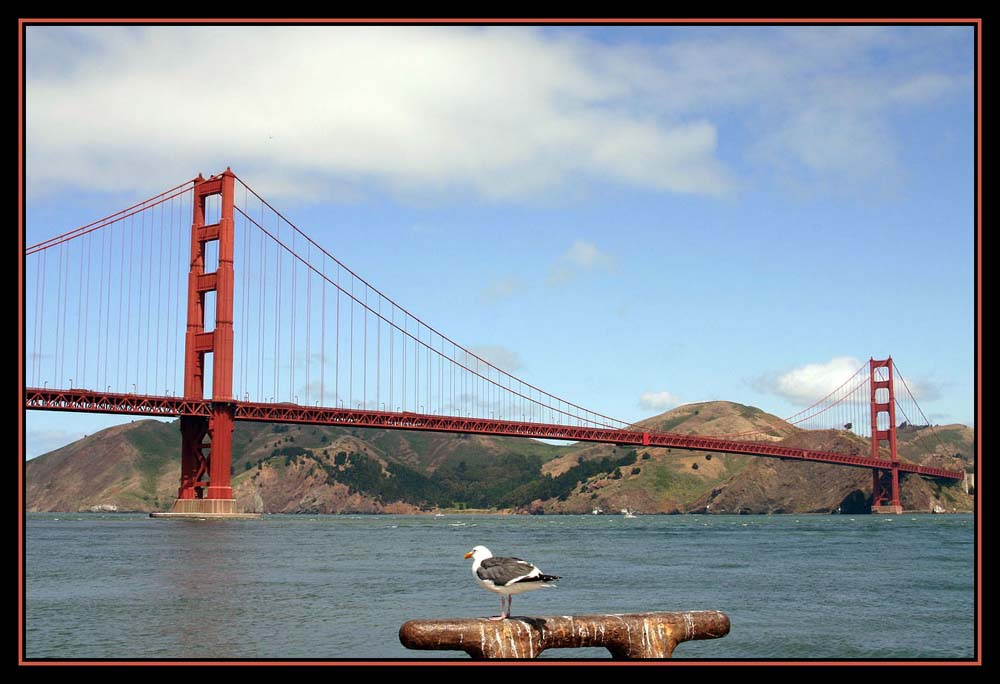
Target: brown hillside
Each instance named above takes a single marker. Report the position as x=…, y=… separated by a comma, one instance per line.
x=108, y=467
x=715, y=418
x=291, y=468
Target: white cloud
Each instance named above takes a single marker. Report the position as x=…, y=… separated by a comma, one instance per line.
x=501, y=357
x=582, y=257
x=503, y=112
x=832, y=142
x=819, y=103
x=809, y=383
x=658, y=401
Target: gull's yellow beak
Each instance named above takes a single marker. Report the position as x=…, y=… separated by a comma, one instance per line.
x=469, y=554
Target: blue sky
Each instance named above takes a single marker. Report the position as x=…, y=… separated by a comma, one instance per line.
x=631, y=218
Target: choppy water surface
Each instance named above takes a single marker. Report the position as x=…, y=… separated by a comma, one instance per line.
x=127, y=586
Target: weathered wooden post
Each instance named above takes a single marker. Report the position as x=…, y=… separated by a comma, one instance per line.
x=634, y=635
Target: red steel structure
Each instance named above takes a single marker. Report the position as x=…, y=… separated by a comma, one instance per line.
x=382, y=355
x=206, y=440
x=885, y=483
x=165, y=407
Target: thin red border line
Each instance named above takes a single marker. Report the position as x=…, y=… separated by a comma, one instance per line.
x=551, y=662
x=485, y=21
x=979, y=392
x=20, y=344
x=976, y=22
x=979, y=354
x=979, y=338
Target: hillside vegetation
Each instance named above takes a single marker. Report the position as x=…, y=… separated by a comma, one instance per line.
x=301, y=468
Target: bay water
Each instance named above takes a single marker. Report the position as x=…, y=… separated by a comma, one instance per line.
x=339, y=587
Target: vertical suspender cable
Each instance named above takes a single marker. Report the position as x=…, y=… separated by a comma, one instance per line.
x=176, y=322
x=403, y=395
x=350, y=368
x=140, y=284
x=392, y=353
x=45, y=255
x=148, y=284
x=416, y=369
x=100, y=311
x=128, y=305
x=174, y=293
x=36, y=344
x=244, y=322
x=159, y=299
x=308, y=322
x=81, y=322
x=277, y=315
x=322, y=337
x=66, y=286
x=378, y=356
x=336, y=369
x=261, y=321
x=118, y=320
x=170, y=324
x=294, y=305
x=33, y=380
x=364, y=374
x=60, y=329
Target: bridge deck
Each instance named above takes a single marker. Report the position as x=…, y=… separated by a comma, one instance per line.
x=89, y=401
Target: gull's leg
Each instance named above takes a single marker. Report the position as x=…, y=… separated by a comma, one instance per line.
x=510, y=602
x=501, y=616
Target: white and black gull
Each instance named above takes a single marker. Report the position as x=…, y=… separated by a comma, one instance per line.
x=506, y=576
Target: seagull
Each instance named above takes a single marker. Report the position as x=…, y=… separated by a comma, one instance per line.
x=506, y=576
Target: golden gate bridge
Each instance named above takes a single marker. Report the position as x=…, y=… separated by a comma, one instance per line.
x=207, y=304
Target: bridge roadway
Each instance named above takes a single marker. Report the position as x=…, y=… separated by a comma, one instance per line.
x=90, y=401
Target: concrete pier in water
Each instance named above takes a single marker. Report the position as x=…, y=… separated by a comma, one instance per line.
x=205, y=509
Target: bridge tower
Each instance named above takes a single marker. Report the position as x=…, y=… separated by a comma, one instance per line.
x=206, y=442
x=885, y=482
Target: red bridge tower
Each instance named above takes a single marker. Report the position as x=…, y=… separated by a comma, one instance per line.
x=206, y=442
x=885, y=483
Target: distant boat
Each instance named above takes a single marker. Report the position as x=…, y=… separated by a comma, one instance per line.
x=627, y=513
x=597, y=511
x=439, y=515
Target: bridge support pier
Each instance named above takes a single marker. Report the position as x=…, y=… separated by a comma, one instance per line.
x=206, y=442
x=885, y=491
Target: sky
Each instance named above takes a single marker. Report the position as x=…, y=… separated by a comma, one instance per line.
x=632, y=218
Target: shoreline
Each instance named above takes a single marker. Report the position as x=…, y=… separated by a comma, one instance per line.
x=451, y=513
